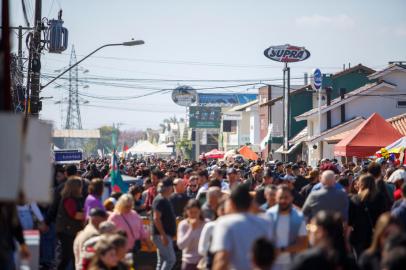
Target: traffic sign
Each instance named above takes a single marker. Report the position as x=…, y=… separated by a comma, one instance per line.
x=68, y=155
x=317, y=79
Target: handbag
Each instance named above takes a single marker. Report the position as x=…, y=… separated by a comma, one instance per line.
x=137, y=243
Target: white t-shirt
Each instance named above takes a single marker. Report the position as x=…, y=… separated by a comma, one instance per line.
x=282, y=238
x=236, y=233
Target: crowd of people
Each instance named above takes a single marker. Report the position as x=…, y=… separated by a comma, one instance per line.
x=224, y=215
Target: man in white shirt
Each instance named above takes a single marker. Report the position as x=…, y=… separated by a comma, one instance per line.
x=289, y=228
x=235, y=233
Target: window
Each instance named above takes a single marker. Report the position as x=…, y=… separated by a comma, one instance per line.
x=229, y=126
x=401, y=104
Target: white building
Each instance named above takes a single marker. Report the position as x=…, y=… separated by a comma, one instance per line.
x=385, y=94
x=244, y=126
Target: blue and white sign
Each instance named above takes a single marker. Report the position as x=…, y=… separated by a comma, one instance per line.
x=317, y=79
x=62, y=156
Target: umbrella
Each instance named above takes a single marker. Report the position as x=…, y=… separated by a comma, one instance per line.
x=214, y=154
x=396, y=147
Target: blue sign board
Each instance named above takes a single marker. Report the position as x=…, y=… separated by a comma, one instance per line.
x=67, y=155
x=317, y=79
x=224, y=100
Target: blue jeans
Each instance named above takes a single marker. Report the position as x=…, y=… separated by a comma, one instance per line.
x=166, y=258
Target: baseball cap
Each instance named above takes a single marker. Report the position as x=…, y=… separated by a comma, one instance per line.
x=256, y=169
x=188, y=170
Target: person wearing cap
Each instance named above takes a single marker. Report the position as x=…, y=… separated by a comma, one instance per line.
x=267, y=179
x=96, y=216
x=164, y=226
x=300, y=181
x=312, y=179
x=232, y=177
x=279, y=169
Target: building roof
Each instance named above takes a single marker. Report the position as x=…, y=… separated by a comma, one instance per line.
x=294, y=92
x=76, y=133
x=300, y=137
x=354, y=68
x=347, y=98
x=335, y=75
x=243, y=106
x=355, y=122
x=388, y=69
x=338, y=137
x=399, y=123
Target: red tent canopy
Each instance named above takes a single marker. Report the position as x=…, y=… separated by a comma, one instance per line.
x=215, y=154
x=373, y=134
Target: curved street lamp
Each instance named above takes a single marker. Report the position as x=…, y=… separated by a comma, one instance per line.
x=126, y=43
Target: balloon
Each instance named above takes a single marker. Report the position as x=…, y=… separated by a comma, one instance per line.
x=392, y=157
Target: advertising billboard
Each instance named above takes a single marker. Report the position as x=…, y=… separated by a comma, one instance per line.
x=204, y=117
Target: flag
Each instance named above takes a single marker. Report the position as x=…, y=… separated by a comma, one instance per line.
x=125, y=147
x=117, y=183
x=267, y=137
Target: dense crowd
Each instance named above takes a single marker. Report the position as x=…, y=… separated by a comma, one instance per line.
x=223, y=215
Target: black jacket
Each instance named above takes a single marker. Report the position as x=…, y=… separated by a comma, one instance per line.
x=362, y=218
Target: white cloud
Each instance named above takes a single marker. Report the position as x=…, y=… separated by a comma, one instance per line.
x=341, y=21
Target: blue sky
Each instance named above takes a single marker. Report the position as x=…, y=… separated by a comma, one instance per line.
x=209, y=39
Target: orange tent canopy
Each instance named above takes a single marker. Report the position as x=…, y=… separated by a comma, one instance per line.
x=247, y=152
x=370, y=136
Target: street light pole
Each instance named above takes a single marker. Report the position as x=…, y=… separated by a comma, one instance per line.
x=127, y=43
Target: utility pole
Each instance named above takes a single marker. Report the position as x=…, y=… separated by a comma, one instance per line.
x=286, y=114
x=34, y=67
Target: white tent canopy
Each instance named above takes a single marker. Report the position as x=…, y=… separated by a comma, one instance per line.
x=145, y=147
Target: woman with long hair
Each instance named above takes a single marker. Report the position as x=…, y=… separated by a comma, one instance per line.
x=69, y=219
x=93, y=199
x=128, y=220
x=364, y=210
x=385, y=227
x=326, y=235
x=188, y=235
